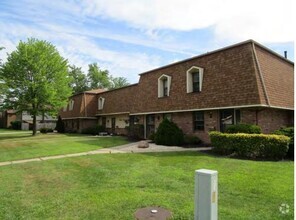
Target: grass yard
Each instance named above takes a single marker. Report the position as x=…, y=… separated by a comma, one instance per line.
x=20, y=145
x=114, y=186
x=2, y=131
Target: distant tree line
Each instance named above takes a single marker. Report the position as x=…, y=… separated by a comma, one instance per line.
x=96, y=78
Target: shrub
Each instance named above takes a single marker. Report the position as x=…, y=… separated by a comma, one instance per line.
x=135, y=131
x=16, y=125
x=243, y=128
x=46, y=130
x=289, y=132
x=168, y=133
x=95, y=130
x=250, y=145
x=60, y=127
x=152, y=137
x=191, y=139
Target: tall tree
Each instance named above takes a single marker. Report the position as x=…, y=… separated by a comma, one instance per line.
x=98, y=78
x=37, y=78
x=2, y=85
x=118, y=82
x=78, y=79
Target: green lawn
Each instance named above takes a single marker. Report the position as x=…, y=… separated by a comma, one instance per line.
x=23, y=145
x=12, y=131
x=114, y=186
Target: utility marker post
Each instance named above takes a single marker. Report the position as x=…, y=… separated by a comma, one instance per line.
x=206, y=195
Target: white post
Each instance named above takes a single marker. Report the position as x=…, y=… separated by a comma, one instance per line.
x=206, y=195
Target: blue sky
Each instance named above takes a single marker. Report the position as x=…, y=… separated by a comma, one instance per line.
x=133, y=36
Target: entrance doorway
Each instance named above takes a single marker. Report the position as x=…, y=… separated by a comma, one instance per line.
x=113, y=123
x=150, y=125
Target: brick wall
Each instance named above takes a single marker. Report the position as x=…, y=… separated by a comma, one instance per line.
x=119, y=100
x=229, y=80
x=268, y=119
x=185, y=121
x=85, y=105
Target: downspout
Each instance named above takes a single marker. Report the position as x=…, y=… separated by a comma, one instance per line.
x=260, y=74
x=85, y=110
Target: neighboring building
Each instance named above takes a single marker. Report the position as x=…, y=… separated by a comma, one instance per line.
x=7, y=117
x=243, y=83
x=43, y=121
x=26, y=120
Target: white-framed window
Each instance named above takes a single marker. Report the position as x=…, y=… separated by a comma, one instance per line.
x=101, y=101
x=164, y=85
x=194, y=77
x=71, y=105
x=65, y=108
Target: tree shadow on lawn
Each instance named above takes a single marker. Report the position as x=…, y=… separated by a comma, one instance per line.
x=202, y=153
x=104, y=143
x=3, y=138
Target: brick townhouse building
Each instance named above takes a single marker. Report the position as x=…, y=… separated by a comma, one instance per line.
x=242, y=83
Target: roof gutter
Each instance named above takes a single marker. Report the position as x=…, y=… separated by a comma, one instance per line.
x=260, y=74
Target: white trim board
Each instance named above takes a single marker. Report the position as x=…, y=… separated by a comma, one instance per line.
x=201, y=109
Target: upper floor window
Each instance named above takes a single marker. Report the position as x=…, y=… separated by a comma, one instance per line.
x=194, y=79
x=71, y=105
x=101, y=103
x=65, y=108
x=164, y=84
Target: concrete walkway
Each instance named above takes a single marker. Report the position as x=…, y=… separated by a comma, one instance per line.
x=127, y=148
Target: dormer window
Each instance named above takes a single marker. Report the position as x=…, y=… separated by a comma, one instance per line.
x=164, y=84
x=165, y=87
x=71, y=105
x=101, y=103
x=194, y=79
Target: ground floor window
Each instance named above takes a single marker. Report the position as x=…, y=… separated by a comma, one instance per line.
x=198, y=121
x=229, y=117
x=168, y=116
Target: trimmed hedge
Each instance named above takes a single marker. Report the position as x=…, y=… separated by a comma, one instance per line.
x=289, y=132
x=250, y=145
x=168, y=133
x=93, y=130
x=243, y=128
x=46, y=130
x=191, y=139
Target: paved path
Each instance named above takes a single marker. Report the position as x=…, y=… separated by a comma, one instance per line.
x=127, y=148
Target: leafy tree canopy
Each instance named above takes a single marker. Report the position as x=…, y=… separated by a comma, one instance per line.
x=37, y=78
x=118, y=82
x=79, y=82
x=98, y=78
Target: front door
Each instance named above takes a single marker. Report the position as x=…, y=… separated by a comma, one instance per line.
x=104, y=122
x=113, y=121
x=150, y=125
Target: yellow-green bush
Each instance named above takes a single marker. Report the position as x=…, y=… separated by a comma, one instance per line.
x=250, y=145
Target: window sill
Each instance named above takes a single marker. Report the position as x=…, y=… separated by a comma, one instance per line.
x=163, y=97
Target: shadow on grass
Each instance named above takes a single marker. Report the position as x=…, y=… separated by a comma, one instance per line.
x=105, y=142
x=202, y=153
x=3, y=138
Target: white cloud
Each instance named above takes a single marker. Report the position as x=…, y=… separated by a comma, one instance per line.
x=267, y=21
x=80, y=50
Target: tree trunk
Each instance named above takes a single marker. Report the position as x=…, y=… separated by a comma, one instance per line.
x=34, y=125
